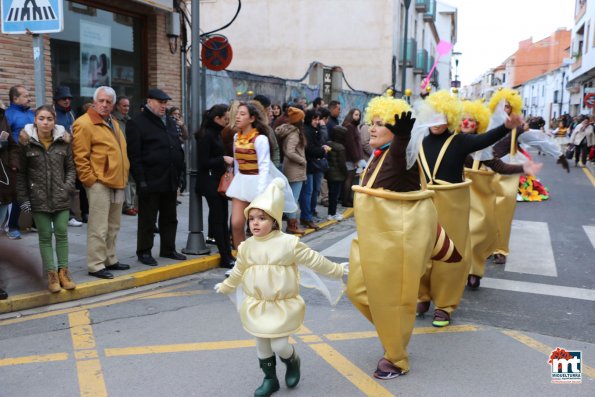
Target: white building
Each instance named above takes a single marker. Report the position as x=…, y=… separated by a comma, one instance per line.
x=360, y=38
x=582, y=70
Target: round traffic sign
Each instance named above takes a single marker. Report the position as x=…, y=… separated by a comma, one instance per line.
x=589, y=100
x=216, y=53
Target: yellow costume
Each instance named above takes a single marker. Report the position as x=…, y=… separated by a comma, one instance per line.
x=396, y=235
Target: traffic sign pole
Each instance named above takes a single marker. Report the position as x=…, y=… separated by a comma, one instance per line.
x=39, y=67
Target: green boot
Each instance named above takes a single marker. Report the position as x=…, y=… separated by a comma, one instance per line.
x=270, y=383
x=292, y=376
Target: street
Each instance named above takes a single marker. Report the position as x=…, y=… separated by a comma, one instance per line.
x=179, y=338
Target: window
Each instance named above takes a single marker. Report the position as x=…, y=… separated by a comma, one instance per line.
x=98, y=47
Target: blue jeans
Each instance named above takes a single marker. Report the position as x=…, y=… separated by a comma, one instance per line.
x=317, y=181
x=296, y=188
x=3, y=212
x=307, y=196
x=13, y=220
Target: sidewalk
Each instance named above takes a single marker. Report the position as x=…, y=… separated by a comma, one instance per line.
x=23, y=296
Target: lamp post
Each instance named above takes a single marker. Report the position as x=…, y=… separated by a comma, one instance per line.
x=406, y=28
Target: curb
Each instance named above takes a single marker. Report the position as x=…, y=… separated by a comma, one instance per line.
x=93, y=288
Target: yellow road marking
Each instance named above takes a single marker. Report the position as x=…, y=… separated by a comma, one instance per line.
x=303, y=330
x=178, y=348
x=42, y=358
x=94, y=305
x=176, y=294
x=90, y=374
x=543, y=348
x=416, y=331
x=311, y=338
x=359, y=378
x=589, y=175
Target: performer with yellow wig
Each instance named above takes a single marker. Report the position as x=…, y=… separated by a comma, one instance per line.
x=397, y=229
x=442, y=155
x=481, y=169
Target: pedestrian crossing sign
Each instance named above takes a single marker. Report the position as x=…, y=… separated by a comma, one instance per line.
x=33, y=16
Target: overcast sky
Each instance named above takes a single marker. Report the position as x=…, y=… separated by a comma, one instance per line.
x=490, y=30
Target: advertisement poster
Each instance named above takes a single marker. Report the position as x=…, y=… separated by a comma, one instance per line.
x=95, y=56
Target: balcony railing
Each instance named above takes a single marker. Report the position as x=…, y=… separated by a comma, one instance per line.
x=421, y=62
x=411, y=52
x=430, y=14
x=421, y=5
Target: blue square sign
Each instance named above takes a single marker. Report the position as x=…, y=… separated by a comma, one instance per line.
x=34, y=16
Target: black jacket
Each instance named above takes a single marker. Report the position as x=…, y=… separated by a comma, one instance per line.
x=314, y=151
x=210, y=152
x=155, y=153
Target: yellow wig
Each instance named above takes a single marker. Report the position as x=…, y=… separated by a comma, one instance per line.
x=479, y=111
x=449, y=105
x=512, y=96
x=386, y=108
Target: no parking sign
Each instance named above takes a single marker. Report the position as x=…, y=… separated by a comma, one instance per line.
x=589, y=100
x=216, y=53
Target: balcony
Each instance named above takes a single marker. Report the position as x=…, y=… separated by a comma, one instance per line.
x=411, y=52
x=421, y=62
x=430, y=14
x=421, y=5
x=429, y=65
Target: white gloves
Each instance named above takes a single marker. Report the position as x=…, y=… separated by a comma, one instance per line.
x=218, y=287
x=345, y=268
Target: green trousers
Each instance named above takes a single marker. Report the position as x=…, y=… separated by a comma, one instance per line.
x=44, y=221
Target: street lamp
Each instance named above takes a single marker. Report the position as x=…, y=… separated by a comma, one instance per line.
x=407, y=4
x=456, y=57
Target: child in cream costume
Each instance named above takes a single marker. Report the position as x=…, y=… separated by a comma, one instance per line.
x=267, y=268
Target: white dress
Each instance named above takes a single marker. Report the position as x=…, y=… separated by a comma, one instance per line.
x=246, y=187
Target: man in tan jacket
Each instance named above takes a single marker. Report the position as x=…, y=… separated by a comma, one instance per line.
x=99, y=148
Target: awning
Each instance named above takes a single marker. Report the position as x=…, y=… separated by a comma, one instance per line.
x=167, y=5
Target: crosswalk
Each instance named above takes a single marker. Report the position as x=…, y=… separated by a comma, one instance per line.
x=30, y=10
x=531, y=253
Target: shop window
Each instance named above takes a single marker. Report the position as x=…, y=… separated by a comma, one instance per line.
x=98, y=47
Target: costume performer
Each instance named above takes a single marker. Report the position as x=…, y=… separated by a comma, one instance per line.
x=267, y=268
x=442, y=155
x=506, y=186
x=253, y=168
x=481, y=170
x=396, y=226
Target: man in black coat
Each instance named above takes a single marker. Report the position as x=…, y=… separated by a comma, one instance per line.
x=156, y=162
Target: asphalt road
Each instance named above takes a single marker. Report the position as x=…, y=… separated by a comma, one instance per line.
x=179, y=338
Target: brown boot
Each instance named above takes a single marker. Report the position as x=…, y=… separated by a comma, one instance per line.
x=310, y=224
x=65, y=280
x=53, y=281
x=293, y=228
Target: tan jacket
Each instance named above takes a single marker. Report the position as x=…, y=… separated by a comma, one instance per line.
x=99, y=152
x=294, y=154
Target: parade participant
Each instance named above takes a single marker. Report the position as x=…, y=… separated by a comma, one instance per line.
x=253, y=169
x=267, y=269
x=482, y=221
x=395, y=218
x=442, y=155
x=45, y=180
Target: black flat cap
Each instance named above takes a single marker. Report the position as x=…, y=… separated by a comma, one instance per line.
x=156, y=93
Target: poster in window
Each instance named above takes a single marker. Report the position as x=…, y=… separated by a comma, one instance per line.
x=95, y=56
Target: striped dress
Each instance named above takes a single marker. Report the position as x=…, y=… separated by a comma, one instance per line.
x=254, y=170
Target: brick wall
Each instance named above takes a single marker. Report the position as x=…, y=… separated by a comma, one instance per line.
x=16, y=65
x=163, y=69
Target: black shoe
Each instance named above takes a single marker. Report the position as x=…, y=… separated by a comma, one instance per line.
x=3, y=295
x=103, y=273
x=147, y=259
x=174, y=255
x=227, y=263
x=118, y=266
x=210, y=240
x=85, y=218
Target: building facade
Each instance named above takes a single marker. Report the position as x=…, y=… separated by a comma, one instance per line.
x=582, y=71
x=121, y=44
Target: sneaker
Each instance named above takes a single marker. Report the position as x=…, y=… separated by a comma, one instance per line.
x=330, y=218
x=74, y=223
x=338, y=217
x=386, y=370
x=14, y=234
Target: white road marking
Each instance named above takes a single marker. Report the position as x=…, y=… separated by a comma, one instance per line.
x=590, y=231
x=531, y=249
x=341, y=248
x=540, y=289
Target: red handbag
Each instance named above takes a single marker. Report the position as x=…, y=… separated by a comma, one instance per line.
x=225, y=181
